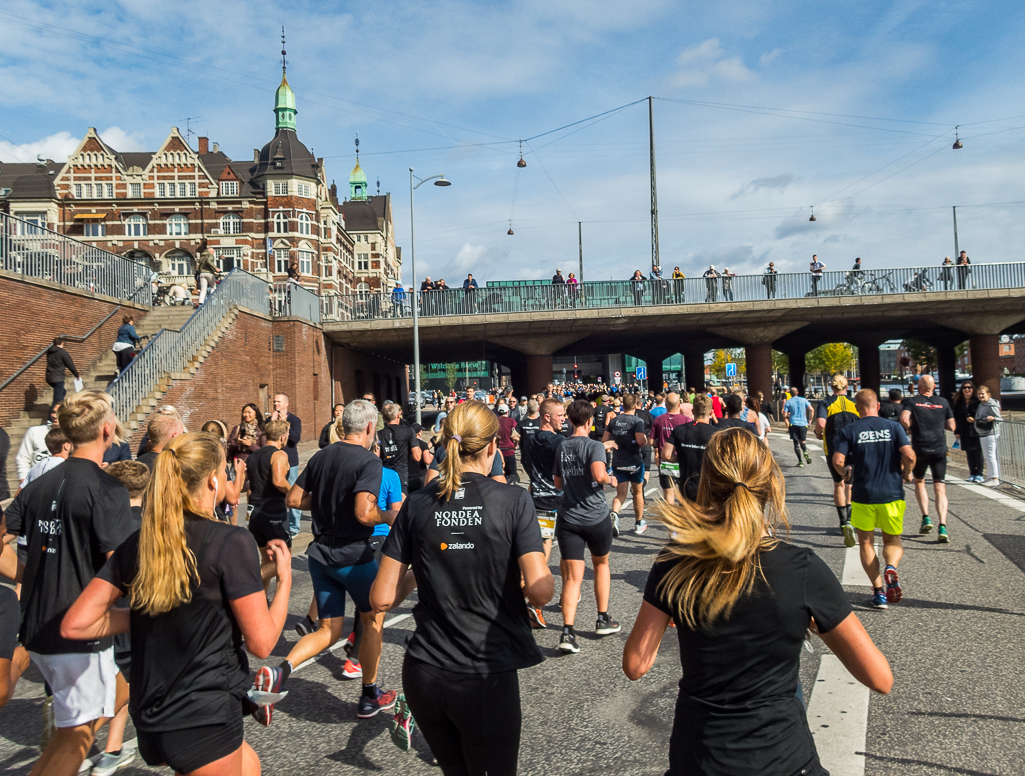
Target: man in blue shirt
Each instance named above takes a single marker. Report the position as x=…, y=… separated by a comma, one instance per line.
x=876, y=454
x=797, y=412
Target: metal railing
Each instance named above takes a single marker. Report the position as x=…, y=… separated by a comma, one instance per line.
x=1011, y=452
x=37, y=252
x=170, y=351
x=701, y=290
x=292, y=299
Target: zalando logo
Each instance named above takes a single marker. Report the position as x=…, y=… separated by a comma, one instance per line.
x=460, y=546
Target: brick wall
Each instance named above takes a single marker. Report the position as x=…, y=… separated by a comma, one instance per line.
x=47, y=310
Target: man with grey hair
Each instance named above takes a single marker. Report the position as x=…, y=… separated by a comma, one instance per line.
x=397, y=444
x=340, y=487
x=295, y=433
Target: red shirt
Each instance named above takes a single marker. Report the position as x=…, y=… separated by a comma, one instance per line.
x=505, y=429
x=717, y=406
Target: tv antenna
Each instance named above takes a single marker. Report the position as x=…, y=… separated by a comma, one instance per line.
x=188, y=128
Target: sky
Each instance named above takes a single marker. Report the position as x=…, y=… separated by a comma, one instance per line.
x=761, y=111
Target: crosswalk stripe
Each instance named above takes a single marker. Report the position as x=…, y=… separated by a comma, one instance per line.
x=838, y=718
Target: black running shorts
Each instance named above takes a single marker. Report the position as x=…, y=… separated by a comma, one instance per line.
x=936, y=463
x=191, y=748
x=837, y=477
x=572, y=539
x=667, y=481
x=798, y=433
x=264, y=529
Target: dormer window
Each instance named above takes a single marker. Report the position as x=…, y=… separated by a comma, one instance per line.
x=279, y=164
x=229, y=188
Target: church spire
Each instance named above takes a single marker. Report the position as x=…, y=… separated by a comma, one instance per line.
x=284, y=98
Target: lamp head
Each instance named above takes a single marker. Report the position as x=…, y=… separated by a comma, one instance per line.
x=442, y=181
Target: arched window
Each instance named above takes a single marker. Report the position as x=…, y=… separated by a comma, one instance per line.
x=305, y=225
x=281, y=223
x=178, y=225
x=136, y=226
x=231, y=223
x=178, y=263
x=363, y=288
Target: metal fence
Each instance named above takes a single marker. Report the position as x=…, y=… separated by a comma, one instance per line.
x=291, y=299
x=37, y=252
x=532, y=297
x=170, y=351
x=1011, y=452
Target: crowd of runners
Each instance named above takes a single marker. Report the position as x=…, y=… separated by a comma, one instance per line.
x=141, y=585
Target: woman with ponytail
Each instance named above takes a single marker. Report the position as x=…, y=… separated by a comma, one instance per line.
x=743, y=600
x=196, y=596
x=468, y=539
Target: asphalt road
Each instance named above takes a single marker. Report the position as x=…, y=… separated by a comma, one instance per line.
x=955, y=644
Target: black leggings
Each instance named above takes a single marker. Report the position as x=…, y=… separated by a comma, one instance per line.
x=973, y=452
x=471, y=721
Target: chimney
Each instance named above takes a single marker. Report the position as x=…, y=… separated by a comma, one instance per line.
x=204, y=145
x=256, y=154
x=216, y=148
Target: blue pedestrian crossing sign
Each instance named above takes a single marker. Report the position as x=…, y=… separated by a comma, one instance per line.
x=731, y=370
x=642, y=373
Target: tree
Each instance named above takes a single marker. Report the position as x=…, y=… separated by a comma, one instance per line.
x=921, y=354
x=722, y=357
x=831, y=358
x=451, y=375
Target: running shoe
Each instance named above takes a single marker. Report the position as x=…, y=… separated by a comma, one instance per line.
x=640, y=526
x=568, y=643
x=350, y=643
x=893, y=591
x=615, y=524
x=371, y=707
x=537, y=618
x=942, y=538
x=49, y=723
x=848, y=533
x=606, y=626
x=352, y=669
x=111, y=762
x=926, y=525
x=807, y=458
x=878, y=600
x=267, y=680
x=305, y=626
x=800, y=464
x=402, y=725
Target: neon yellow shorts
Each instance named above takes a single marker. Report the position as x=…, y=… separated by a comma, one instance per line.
x=888, y=518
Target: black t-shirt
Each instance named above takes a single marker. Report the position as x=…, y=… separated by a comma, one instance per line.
x=624, y=429
x=72, y=517
x=540, y=452
x=838, y=411
x=396, y=441
x=690, y=441
x=872, y=446
x=10, y=619
x=929, y=415
x=646, y=418
x=736, y=711
x=150, y=459
x=601, y=412
x=189, y=666
x=333, y=477
x=725, y=423
x=470, y=616
x=419, y=470
x=264, y=495
x=526, y=428
x=890, y=410
x=440, y=454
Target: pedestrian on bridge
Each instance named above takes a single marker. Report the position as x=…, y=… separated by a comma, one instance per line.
x=769, y=281
x=816, y=268
x=711, y=284
x=964, y=269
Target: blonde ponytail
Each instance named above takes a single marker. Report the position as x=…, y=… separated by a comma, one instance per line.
x=465, y=433
x=167, y=567
x=718, y=538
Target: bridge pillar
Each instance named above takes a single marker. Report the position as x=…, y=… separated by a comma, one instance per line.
x=518, y=377
x=868, y=365
x=655, y=374
x=694, y=370
x=796, y=370
x=538, y=373
x=759, y=369
x=946, y=356
x=985, y=350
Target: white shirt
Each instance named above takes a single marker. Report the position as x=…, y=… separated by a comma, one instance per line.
x=41, y=468
x=32, y=449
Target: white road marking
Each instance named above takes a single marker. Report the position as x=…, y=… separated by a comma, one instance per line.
x=341, y=642
x=992, y=493
x=838, y=718
x=853, y=574
x=812, y=446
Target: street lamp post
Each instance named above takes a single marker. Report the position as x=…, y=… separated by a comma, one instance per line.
x=439, y=180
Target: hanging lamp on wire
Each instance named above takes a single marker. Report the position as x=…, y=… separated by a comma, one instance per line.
x=813, y=218
x=957, y=140
x=522, y=162
x=510, y=228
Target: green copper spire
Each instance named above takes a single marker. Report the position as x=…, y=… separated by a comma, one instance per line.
x=357, y=179
x=284, y=98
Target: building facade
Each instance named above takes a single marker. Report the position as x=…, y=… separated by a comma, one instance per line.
x=261, y=215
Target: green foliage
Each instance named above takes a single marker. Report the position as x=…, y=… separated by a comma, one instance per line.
x=831, y=358
x=451, y=375
x=725, y=356
x=921, y=354
x=780, y=362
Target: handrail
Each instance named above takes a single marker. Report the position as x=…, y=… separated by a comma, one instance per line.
x=69, y=337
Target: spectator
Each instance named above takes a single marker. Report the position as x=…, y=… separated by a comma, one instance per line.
x=207, y=270
x=816, y=267
x=5, y=451
x=557, y=278
x=248, y=436
x=965, y=406
x=295, y=433
x=946, y=273
x=964, y=269
x=58, y=360
x=637, y=284
x=769, y=281
x=470, y=293
x=711, y=284
x=127, y=343
x=398, y=300
x=679, y=292
x=987, y=426
x=33, y=445
x=59, y=448
x=326, y=432
x=727, y=284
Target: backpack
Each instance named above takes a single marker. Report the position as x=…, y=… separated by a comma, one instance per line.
x=389, y=445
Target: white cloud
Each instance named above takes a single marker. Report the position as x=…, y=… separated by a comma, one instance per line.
x=62, y=144
x=769, y=57
x=707, y=62
x=775, y=183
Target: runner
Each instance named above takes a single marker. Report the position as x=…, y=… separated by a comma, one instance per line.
x=627, y=431
x=662, y=429
x=73, y=518
x=507, y=439
x=881, y=456
x=398, y=447
x=189, y=672
x=268, y=478
x=340, y=487
x=584, y=521
x=469, y=541
x=14, y=658
x=833, y=413
x=734, y=405
x=797, y=412
x=927, y=417
x=742, y=602
x=687, y=444
x=541, y=451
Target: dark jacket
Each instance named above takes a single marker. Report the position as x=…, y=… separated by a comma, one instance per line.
x=57, y=360
x=962, y=411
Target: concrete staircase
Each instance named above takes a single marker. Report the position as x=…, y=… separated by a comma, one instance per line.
x=105, y=370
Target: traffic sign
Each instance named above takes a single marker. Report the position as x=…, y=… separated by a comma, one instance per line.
x=642, y=373
x=731, y=370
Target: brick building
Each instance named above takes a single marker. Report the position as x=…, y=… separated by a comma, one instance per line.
x=259, y=215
